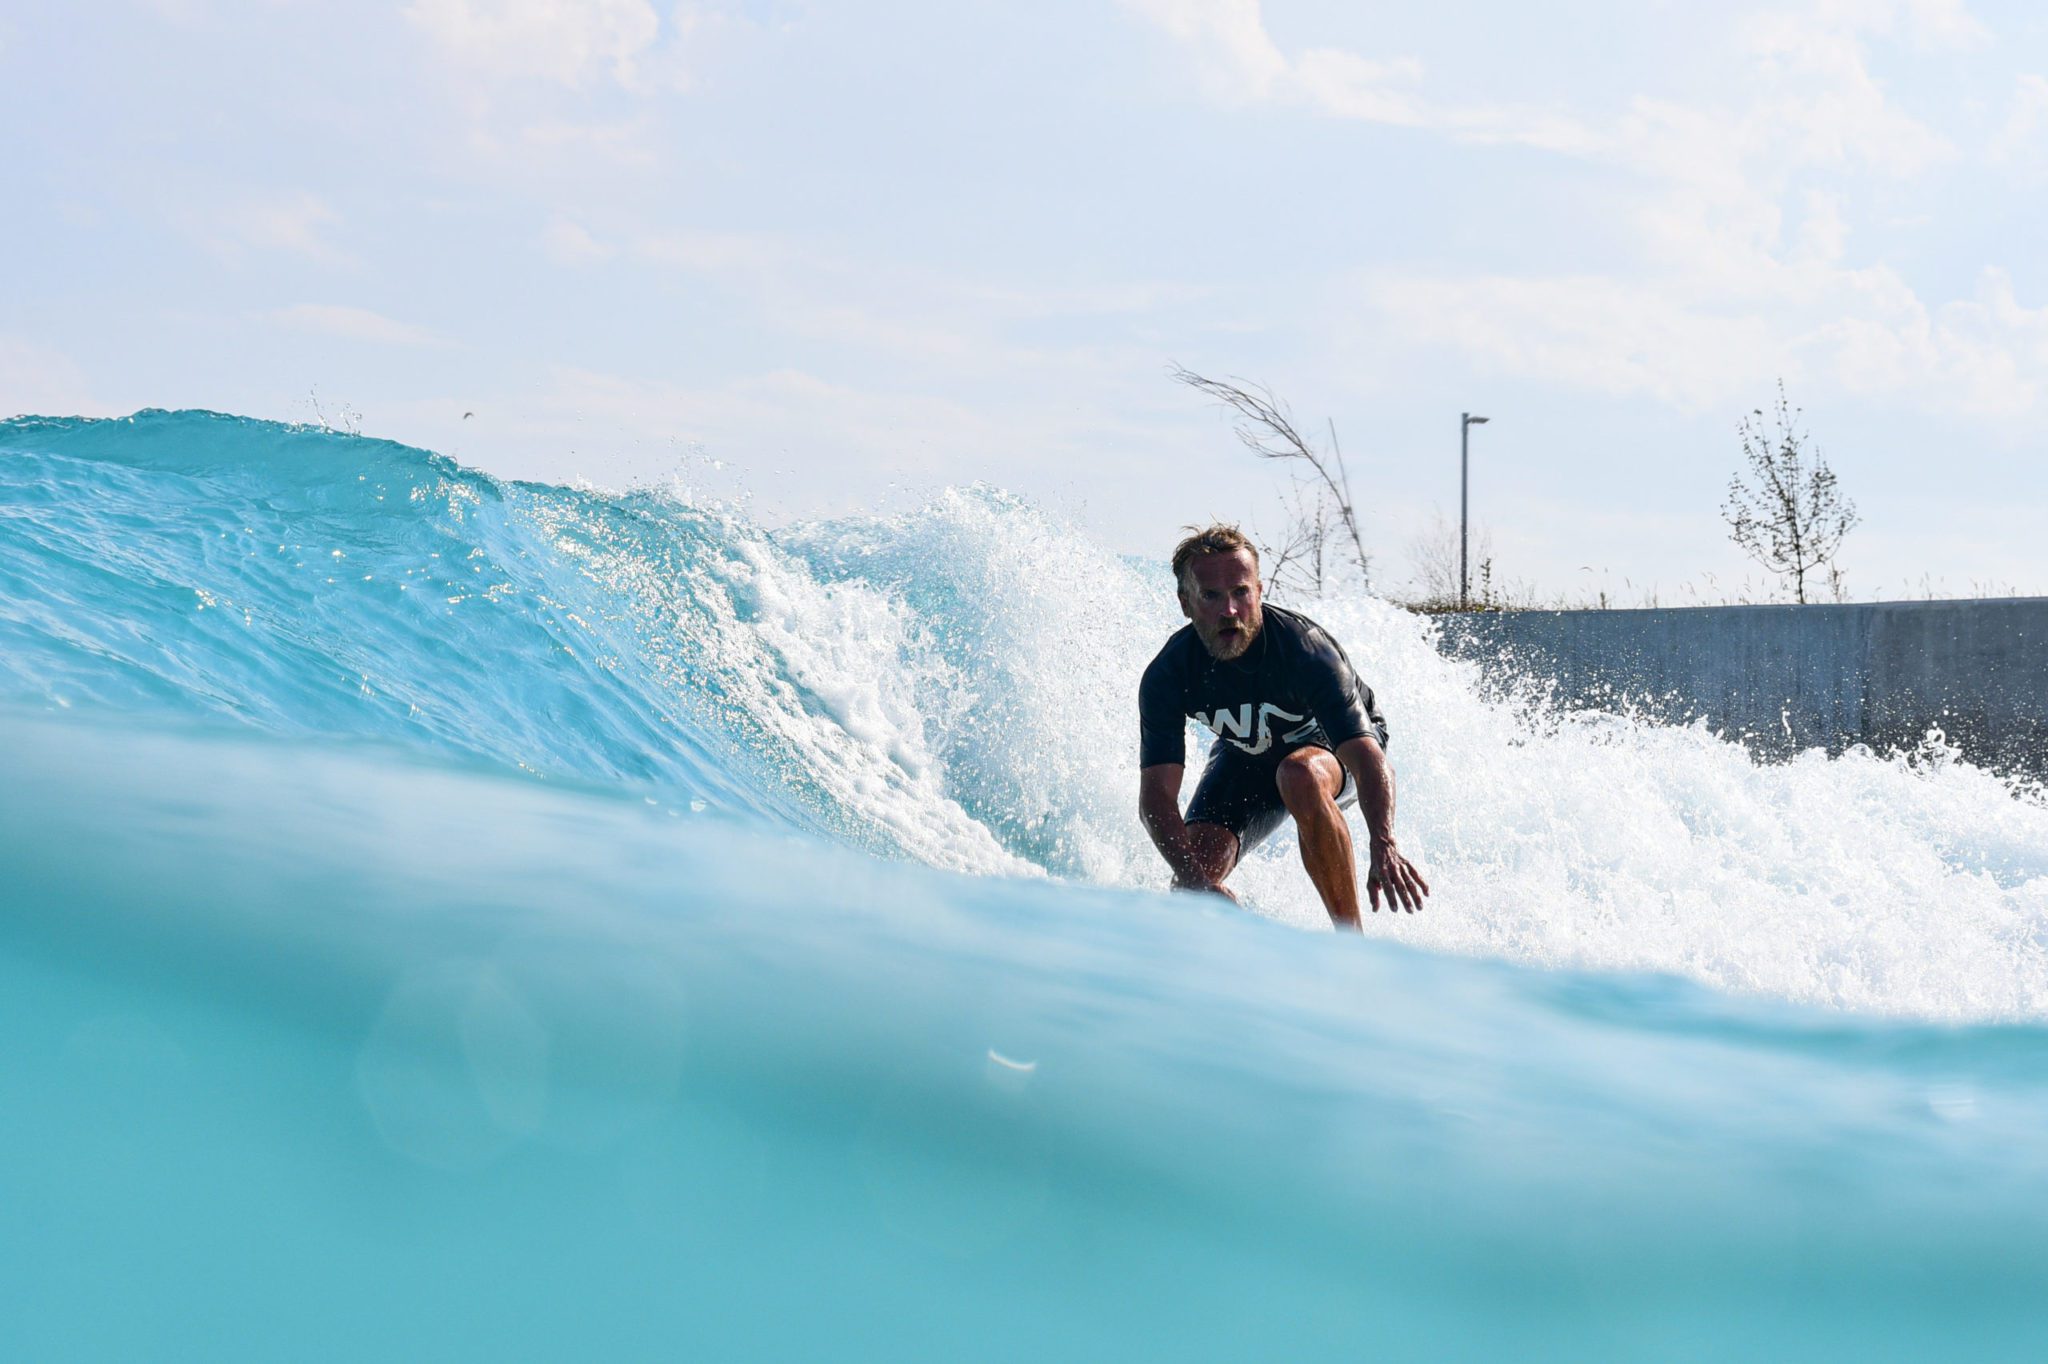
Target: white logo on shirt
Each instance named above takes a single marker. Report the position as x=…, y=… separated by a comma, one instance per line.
x=1236, y=726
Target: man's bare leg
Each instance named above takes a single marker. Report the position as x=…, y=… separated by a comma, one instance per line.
x=1310, y=779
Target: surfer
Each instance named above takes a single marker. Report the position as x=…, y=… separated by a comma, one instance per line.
x=1297, y=733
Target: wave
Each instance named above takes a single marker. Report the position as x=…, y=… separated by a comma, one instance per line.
x=953, y=686
x=467, y=919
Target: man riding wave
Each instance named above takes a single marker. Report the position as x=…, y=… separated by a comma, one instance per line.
x=1297, y=734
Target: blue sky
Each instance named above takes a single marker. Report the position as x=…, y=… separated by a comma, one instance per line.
x=831, y=255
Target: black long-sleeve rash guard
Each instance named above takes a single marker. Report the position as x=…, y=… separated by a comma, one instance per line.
x=1292, y=688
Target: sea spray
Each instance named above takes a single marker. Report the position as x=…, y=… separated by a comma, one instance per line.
x=956, y=686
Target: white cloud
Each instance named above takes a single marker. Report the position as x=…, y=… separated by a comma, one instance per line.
x=717, y=253
x=1930, y=24
x=1592, y=333
x=623, y=142
x=1825, y=107
x=2020, y=141
x=1986, y=356
x=929, y=321
x=765, y=409
x=1239, y=60
x=1947, y=23
x=181, y=12
x=296, y=223
x=37, y=380
x=355, y=324
x=1741, y=215
x=564, y=42
x=1744, y=263
x=570, y=243
x=1863, y=331
x=1350, y=86
x=1829, y=101
x=1240, y=63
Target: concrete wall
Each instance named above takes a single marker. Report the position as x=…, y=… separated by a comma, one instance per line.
x=1793, y=677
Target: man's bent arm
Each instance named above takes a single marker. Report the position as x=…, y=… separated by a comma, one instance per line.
x=1159, y=809
x=1374, y=776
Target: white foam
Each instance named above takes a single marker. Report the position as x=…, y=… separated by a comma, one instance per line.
x=821, y=679
x=961, y=684
x=1025, y=670
x=1602, y=841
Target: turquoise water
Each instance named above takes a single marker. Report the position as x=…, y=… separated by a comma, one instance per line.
x=447, y=918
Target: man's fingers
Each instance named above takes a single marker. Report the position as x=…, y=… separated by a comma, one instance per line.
x=1405, y=886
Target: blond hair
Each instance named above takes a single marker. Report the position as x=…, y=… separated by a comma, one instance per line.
x=1216, y=539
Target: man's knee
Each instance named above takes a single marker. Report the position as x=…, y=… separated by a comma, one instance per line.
x=1305, y=780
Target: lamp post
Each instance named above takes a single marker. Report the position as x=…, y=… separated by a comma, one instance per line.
x=1465, y=425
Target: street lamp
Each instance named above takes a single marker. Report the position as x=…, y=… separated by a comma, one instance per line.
x=1465, y=425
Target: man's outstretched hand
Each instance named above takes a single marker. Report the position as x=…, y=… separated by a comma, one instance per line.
x=1210, y=888
x=1397, y=877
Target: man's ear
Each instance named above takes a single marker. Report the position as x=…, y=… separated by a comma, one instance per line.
x=1181, y=595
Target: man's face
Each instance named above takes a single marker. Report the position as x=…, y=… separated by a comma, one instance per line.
x=1220, y=593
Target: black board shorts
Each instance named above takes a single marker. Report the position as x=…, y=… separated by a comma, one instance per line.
x=1243, y=795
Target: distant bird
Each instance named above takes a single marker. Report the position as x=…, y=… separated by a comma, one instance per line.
x=467, y=415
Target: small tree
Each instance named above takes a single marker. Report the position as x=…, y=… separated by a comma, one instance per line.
x=1433, y=562
x=1305, y=552
x=1789, y=515
x=1322, y=510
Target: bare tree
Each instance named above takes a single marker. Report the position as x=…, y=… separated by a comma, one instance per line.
x=1433, y=561
x=1306, y=550
x=1322, y=507
x=1789, y=515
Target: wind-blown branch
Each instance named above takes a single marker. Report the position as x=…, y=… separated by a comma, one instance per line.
x=1267, y=429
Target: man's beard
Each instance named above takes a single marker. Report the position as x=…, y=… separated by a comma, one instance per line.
x=1226, y=647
